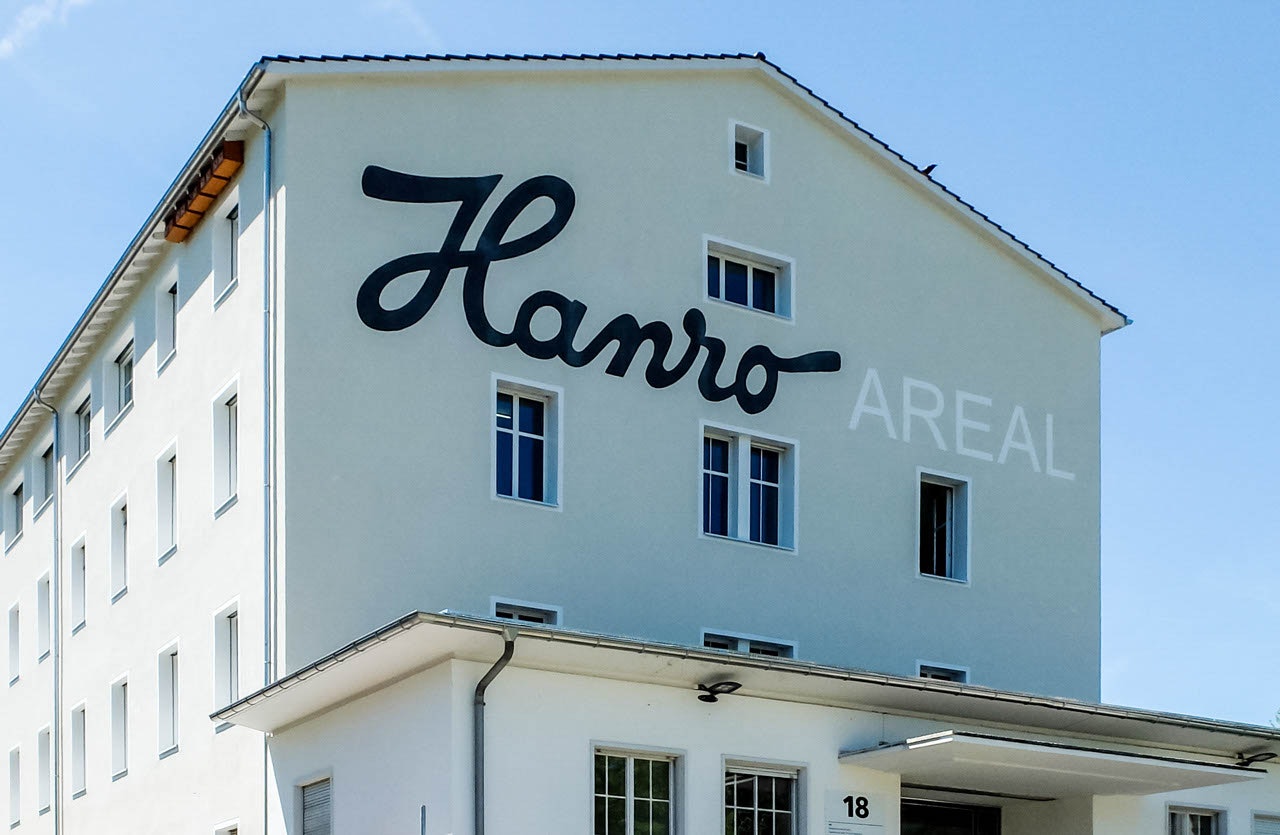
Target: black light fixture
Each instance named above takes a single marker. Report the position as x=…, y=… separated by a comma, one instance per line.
x=1261, y=757
x=712, y=692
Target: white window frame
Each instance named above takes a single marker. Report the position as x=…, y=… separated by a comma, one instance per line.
x=963, y=673
x=46, y=472
x=119, y=728
x=15, y=643
x=44, y=770
x=79, y=584
x=167, y=304
x=15, y=787
x=167, y=498
x=796, y=772
x=552, y=398
x=82, y=431
x=15, y=500
x=746, y=643
x=960, y=527
x=782, y=266
x=121, y=372
x=1182, y=812
x=44, y=617
x=227, y=431
x=632, y=753
x=227, y=231
x=741, y=442
x=226, y=654
x=79, y=748
x=555, y=614
x=757, y=139
x=119, y=547
x=168, y=699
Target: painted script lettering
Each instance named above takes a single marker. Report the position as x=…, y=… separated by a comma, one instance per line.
x=624, y=333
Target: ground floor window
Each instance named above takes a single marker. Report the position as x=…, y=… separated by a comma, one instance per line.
x=924, y=818
x=1193, y=822
x=633, y=794
x=759, y=802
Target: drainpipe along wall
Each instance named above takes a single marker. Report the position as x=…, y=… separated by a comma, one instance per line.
x=477, y=726
x=55, y=594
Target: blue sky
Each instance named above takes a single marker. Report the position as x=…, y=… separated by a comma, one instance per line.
x=1133, y=144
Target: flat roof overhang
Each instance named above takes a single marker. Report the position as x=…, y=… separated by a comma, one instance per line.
x=419, y=641
x=1034, y=770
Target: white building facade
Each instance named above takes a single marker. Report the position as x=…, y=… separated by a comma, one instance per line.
x=660, y=363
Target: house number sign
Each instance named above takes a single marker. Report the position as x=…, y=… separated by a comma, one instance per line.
x=854, y=812
x=624, y=332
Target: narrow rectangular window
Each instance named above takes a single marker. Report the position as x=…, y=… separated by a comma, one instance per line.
x=749, y=150
x=77, y=752
x=15, y=787
x=15, y=643
x=119, y=729
x=124, y=378
x=119, y=549
x=48, y=475
x=766, y=488
x=943, y=527
x=748, y=645
x=44, y=617
x=756, y=803
x=83, y=426
x=317, y=809
x=525, y=613
x=941, y=673
x=715, y=486
x=748, y=488
x=633, y=794
x=233, y=245
x=226, y=678
x=167, y=504
x=168, y=699
x=226, y=449
x=79, y=577
x=18, y=500
x=167, y=323
x=524, y=445
x=44, y=771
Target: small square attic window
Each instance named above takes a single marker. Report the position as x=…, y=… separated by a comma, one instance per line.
x=749, y=148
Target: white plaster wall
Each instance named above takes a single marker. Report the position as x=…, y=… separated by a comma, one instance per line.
x=1235, y=804
x=1071, y=816
x=388, y=461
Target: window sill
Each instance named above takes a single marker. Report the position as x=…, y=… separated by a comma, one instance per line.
x=224, y=726
x=8, y=546
x=44, y=505
x=44, y=810
x=43, y=656
x=786, y=549
x=226, y=291
x=225, y=506
x=168, y=752
x=526, y=502
x=955, y=581
x=15, y=680
x=164, y=361
x=173, y=549
x=120, y=775
x=115, y=421
x=15, y=824
x=768, y=314
x=76, y=629
x=79, y=794
x=75, y=468
x=115, y=598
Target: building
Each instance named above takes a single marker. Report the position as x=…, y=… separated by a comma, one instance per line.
x=651, y=375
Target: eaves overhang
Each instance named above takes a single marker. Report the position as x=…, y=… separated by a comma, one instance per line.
x=420, y=641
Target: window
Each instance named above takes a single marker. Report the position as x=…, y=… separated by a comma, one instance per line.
x=317, y=809
x=15, y=787
x=16, y=502
x=233, y=251
x=1266, y=825
x=44, y=617
x=944, y=527
x=167, y=323
x=526, y=612
x=119, y=729
x=748, y=645
x=227, y=254
x=226, y=674
x=749, y=278
x=119, y=550
x=226, y=442
x=77, y=752
x=167, y=504
x=940, y=672
x=1193, y=822
x=526, y=444
x=79, y=576
x=168, y=700
x=124, y=379
x=759, y=802
x=44, y=770
x=83, y=425
x=48, y=475
x=633, y=794
x=15, y=643
x=748, y=488
x=749, y=150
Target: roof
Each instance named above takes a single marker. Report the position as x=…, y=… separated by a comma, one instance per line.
x=420, y=640
x=148, y=244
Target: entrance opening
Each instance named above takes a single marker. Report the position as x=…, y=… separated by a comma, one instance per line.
x=923, y=818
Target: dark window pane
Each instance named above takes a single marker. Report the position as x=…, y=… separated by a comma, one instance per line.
x=782, y=823
x=769, y=516
x=740, y=154
x=661, y=780
x=601, y=818
x=661, y=818
x=531, y=468
x=617, y=815
x=735, y=282
x=782, y=792
x=715, y=455
x=746, y=823
x=504, y=463
x=755, y=462
x=641, y=812
x=764, y=822
x=715, y=511
x=617, y=776
x=766, y=792
x=600, y=768
x=769, y=459
x=504, y=411
x=763, y=293
x=746, y=796
x=713, y=276
x=641, y=768
x=531, y=416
